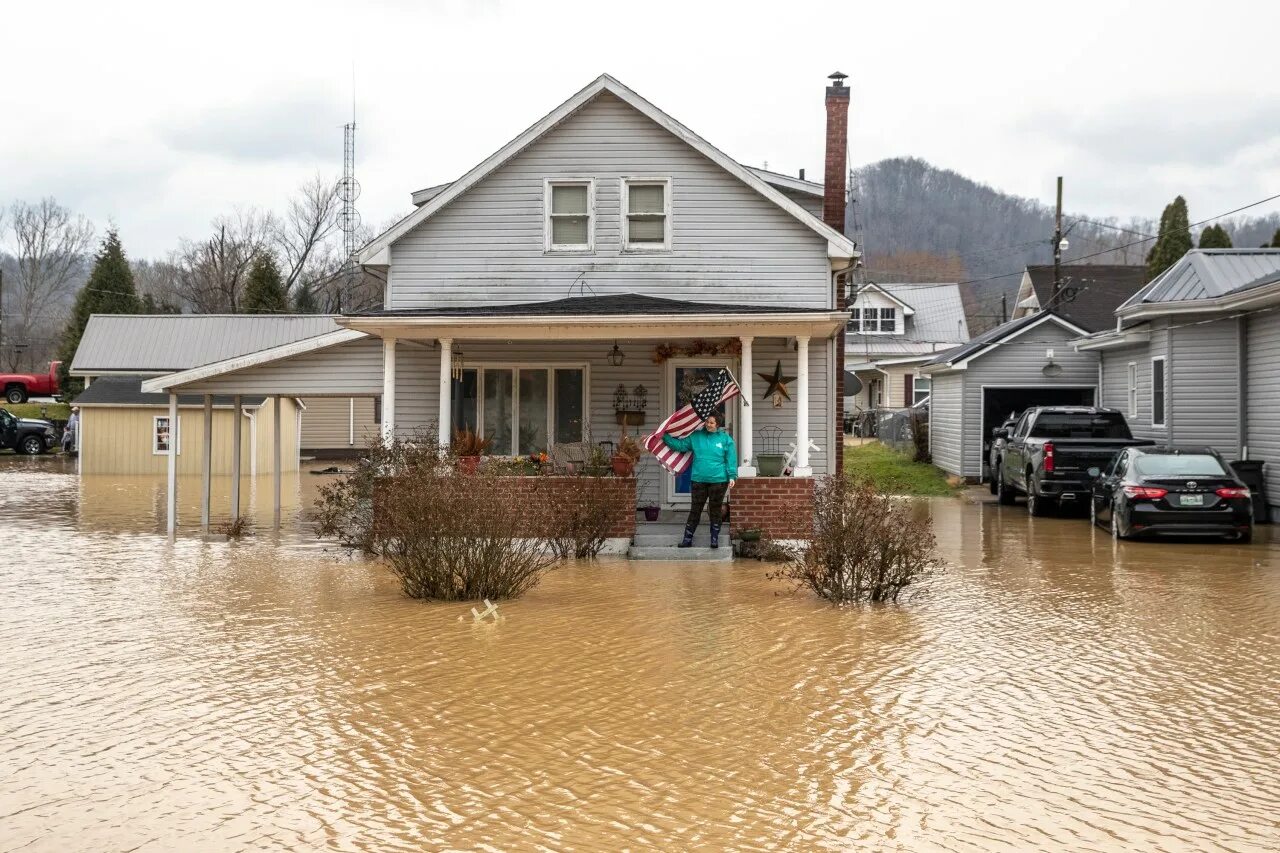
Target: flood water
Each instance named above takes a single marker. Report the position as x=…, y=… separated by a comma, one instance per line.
x=1049, y=690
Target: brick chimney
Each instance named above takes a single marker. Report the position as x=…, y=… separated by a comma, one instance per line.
x=833, y=202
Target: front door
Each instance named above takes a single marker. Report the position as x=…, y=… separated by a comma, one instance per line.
x=683, y=379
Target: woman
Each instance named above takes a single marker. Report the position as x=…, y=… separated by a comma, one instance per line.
x=715, y=467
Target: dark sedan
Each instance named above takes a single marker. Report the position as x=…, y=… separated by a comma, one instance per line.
x=1173, y=491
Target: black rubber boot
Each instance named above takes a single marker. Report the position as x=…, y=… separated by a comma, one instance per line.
x=687, y=541
x=715, y=536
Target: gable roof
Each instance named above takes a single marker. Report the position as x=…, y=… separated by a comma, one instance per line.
x=957, y=358
x=127, y=391
x=375, y=253
x=1091, y=293
x=1208, y=274
x=145, y=343
x=937, y=324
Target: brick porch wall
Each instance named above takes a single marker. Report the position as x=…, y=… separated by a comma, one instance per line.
x=782, y=507
x=563, y=493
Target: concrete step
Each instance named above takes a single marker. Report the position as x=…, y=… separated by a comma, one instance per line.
x=700, y=555
x=645, y=536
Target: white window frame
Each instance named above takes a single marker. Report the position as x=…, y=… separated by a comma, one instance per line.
x=860, y=325
x=569, y=248
x=550, y=368
x=625, y=193
x=1132, y=378
x=1163, y=423
x=916, y=399
x=175, y=436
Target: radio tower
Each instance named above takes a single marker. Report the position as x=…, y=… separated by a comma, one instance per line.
x=348, y=216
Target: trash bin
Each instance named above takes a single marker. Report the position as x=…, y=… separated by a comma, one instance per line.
x=1250, y=473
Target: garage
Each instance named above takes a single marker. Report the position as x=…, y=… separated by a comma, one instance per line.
x=1000, y=402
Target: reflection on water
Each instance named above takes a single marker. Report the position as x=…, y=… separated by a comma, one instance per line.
x=1049, y=690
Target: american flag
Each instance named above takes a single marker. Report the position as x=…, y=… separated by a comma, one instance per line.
x=690, y=418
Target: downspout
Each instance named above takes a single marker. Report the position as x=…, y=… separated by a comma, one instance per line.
x=1242, y=383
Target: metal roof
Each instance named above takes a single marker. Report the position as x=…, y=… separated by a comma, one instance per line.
x=127, y=391
x=1210, y=273
x=999, y=333
x=163, y=343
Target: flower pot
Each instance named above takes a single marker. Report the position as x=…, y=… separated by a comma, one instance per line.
x=651, y=513
x=468, y=464
x=623, y=466
x=770, y=464
x=629, y=417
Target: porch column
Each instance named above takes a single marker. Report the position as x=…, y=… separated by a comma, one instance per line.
x=388, y=389
x=445, y=425
x=275, y=461
x=237, y=417
x=802, y=468
x=173, y=465
x=206, y=464
x=746, y=440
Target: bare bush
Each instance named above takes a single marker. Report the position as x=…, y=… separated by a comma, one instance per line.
x=234, y=528
x=445, y=536
x=866, y=546
x=584, y=524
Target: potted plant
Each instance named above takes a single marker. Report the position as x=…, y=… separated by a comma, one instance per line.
x=647, y=506
x=469, y=447
x=624, y=461
x=770, y=464
x=597, y=463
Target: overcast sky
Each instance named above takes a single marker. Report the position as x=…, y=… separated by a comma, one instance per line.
x=159, y=116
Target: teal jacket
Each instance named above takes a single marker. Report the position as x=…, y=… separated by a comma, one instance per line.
x=715, y=458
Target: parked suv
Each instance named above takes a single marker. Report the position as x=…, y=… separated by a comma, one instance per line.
x=26, y=435
x=1048, y=454
x=995, y=453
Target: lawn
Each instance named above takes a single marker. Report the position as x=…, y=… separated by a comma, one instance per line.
x=56, y=411
x=894, y=473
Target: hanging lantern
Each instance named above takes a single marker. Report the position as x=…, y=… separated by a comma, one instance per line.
x=457, y=365
x=616, y=355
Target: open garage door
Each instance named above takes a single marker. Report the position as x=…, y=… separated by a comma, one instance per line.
x=999, y=403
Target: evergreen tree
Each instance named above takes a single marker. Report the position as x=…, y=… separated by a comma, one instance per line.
x=1174, y=238
x=264, y=289
x=304, y=300
x=1275, y=240
x=109, y=290
x=1215, y=237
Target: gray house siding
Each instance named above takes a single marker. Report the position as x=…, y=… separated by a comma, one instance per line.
x=1115, y=387
x=1017, y=362
x=353, y=368
x=946, y=430
x=729, y=244
x=1204, y=381
x=1263, y=400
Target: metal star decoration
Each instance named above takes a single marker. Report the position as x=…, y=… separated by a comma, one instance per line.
x=777, y=385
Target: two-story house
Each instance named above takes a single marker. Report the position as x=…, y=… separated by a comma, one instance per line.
x=606, y=255
x=892, y=330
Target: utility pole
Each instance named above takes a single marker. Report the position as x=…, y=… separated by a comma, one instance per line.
x=1057, y=249
x=1004, y=308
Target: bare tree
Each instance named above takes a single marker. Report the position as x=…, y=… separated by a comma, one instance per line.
x=302, y=235
x=211, y=274
x=157, y=284
x=51, y=245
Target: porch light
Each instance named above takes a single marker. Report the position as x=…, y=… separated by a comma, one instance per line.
x=615, y=355
x=457, y=364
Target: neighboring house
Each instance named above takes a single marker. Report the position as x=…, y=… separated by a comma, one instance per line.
x=605, y=248
x=1029, y=361
x=1194, y=357
x=1090, y=292
x=126, y=349
x=892, y=330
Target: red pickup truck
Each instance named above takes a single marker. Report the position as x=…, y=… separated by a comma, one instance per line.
x=18, y=387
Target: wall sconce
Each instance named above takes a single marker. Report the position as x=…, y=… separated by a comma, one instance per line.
x=616, y=355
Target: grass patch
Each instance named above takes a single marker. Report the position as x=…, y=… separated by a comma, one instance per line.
x=56, y=411
x=894, y=473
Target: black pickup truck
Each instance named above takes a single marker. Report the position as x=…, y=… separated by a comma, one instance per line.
x=26, y=435
x=1048, y=454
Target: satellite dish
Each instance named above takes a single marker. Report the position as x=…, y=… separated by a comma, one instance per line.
x=852, y=384
x=1052, y=369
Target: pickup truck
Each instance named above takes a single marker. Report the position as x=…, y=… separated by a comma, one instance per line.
x=1048, y=454
x=18, y=387
x=25, y=435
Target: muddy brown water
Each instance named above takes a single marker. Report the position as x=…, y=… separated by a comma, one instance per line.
x=1049, y=690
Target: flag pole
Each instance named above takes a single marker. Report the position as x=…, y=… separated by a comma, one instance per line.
x=745, y=401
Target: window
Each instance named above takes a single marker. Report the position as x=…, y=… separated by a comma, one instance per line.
x=1157, y=392
x=377, y=410
x=1179, y=465
x=1080, y=425
x=570, y=206
x=646, y=205
x=1133, y=390
x=920, y=389
x=520, y=409
x=160, y=436
x=873, y=321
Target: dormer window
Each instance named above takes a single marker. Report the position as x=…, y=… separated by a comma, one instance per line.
x=873, y=321
x=570, y=206
x=646, y=205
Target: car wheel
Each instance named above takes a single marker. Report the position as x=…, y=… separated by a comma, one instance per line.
x=1006, y=494
x=33, y=445
x=1036, y=505
x=1116, y=532
x=16, y=395
x=1244, y=538
x=1093, y=512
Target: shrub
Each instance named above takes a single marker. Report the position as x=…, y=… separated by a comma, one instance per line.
x=866, y=545
x=585, y=522
x=446, y=537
